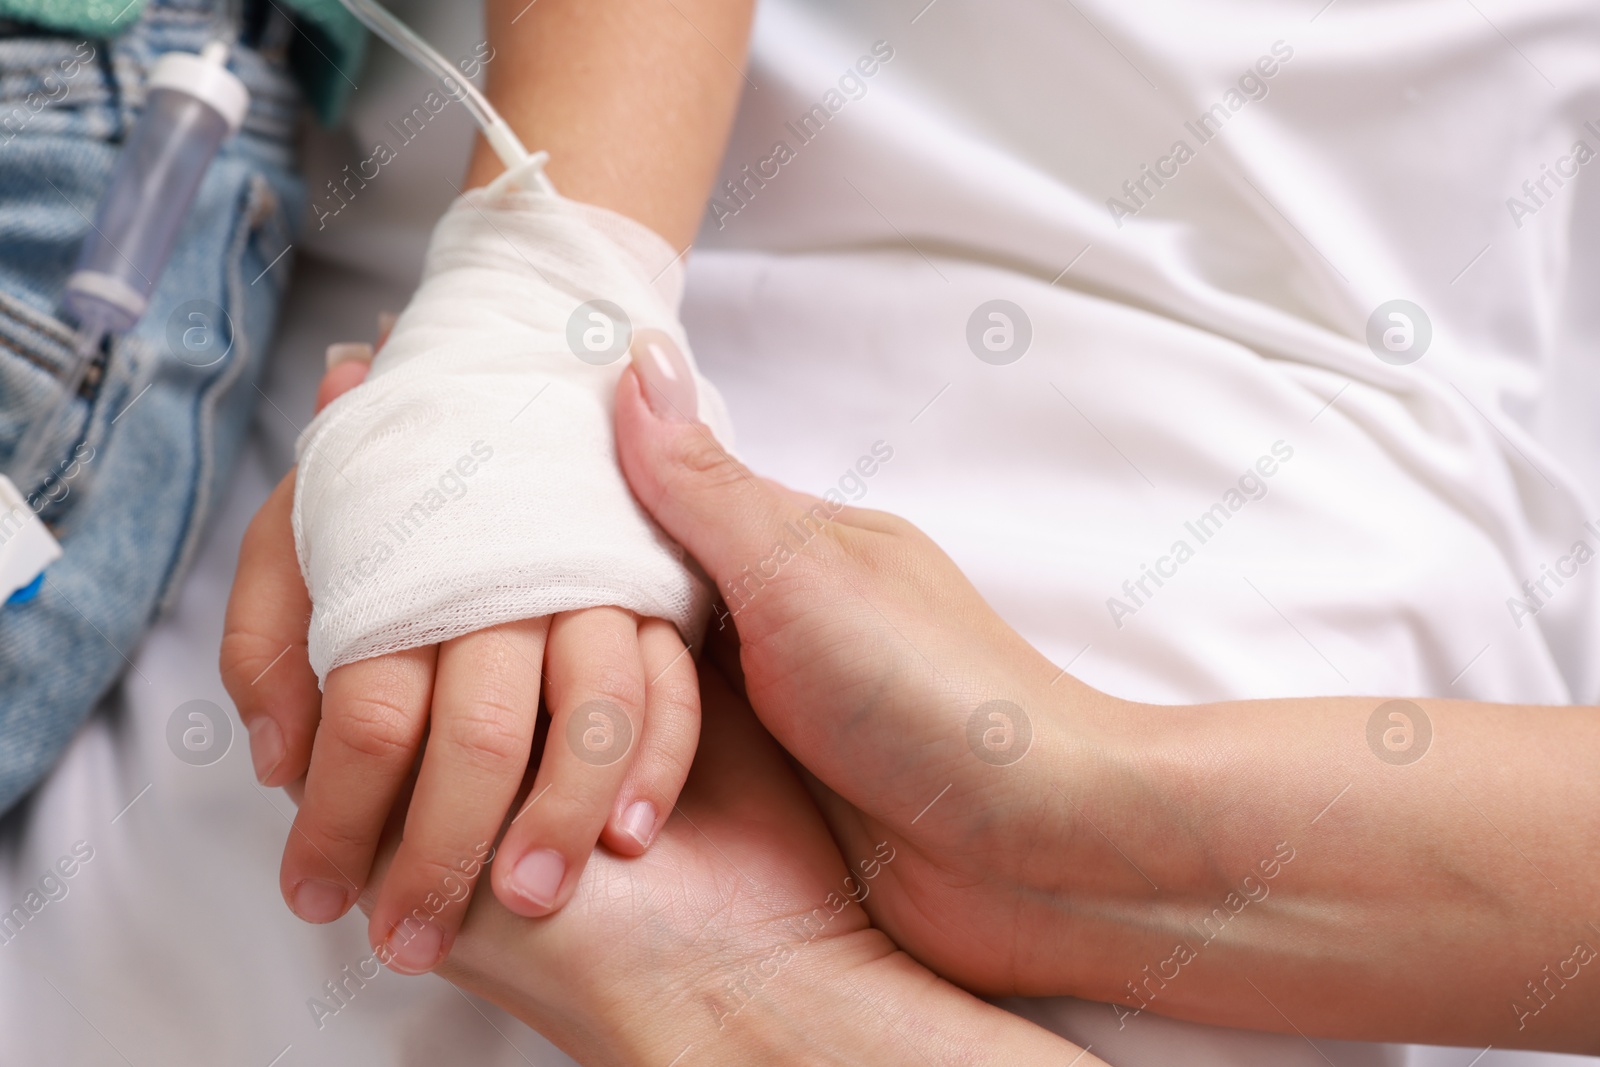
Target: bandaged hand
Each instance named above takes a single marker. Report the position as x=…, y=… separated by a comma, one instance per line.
x=460, y=522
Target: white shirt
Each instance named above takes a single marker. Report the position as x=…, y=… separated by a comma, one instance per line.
x=1198, y=208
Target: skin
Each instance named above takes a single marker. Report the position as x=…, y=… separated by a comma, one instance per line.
x=646, y=146
x=642, y=138
x=1361, y=899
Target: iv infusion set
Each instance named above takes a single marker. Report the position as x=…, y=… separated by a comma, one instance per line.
x=193, y=104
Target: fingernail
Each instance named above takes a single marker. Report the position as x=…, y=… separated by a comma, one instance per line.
x=317, y=901
x=266, y=747
x=538, y=875
x=639, y=822
x=668, y=386
x=386, y=321
x=415, y=947
x=346, y=351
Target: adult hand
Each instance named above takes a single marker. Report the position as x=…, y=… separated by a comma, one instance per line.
x=928, y=720
x=1065, y=842
x=734, y=940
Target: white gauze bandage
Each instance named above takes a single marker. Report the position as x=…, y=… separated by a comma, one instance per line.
x=472, y=479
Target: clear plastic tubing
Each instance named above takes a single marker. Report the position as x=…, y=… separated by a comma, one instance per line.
x=404, y=40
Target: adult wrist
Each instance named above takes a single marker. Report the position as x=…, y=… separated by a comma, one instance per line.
x=762, y=1004
x=1123, y=855
x=851, y=1000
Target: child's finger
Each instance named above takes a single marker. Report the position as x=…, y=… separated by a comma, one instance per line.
x=666, y=749
x=264, y=662
x=595, y=690
x=373, y=714
x=485, y=704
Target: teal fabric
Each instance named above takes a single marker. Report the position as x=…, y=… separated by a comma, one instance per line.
x=327, y=56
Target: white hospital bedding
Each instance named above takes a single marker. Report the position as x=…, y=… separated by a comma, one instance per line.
x=1222, y=319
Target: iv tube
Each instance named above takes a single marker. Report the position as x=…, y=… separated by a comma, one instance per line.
x=505, y=143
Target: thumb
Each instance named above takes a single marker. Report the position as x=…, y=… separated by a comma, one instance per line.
x=745, y=531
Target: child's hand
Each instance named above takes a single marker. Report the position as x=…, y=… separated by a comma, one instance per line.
x=624, y=722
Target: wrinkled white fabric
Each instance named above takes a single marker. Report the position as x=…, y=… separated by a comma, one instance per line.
x=472, y=480
x=1420, y=539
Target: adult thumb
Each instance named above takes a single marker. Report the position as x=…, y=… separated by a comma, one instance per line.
x=741, y=528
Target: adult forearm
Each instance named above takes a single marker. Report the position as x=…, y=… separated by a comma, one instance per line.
x=1416, y=870
x=1256, y=864
x=632, y=98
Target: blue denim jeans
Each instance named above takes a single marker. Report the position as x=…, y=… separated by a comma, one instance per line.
x=146, y=450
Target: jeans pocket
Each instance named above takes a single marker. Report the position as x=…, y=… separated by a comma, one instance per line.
x=36, y=360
